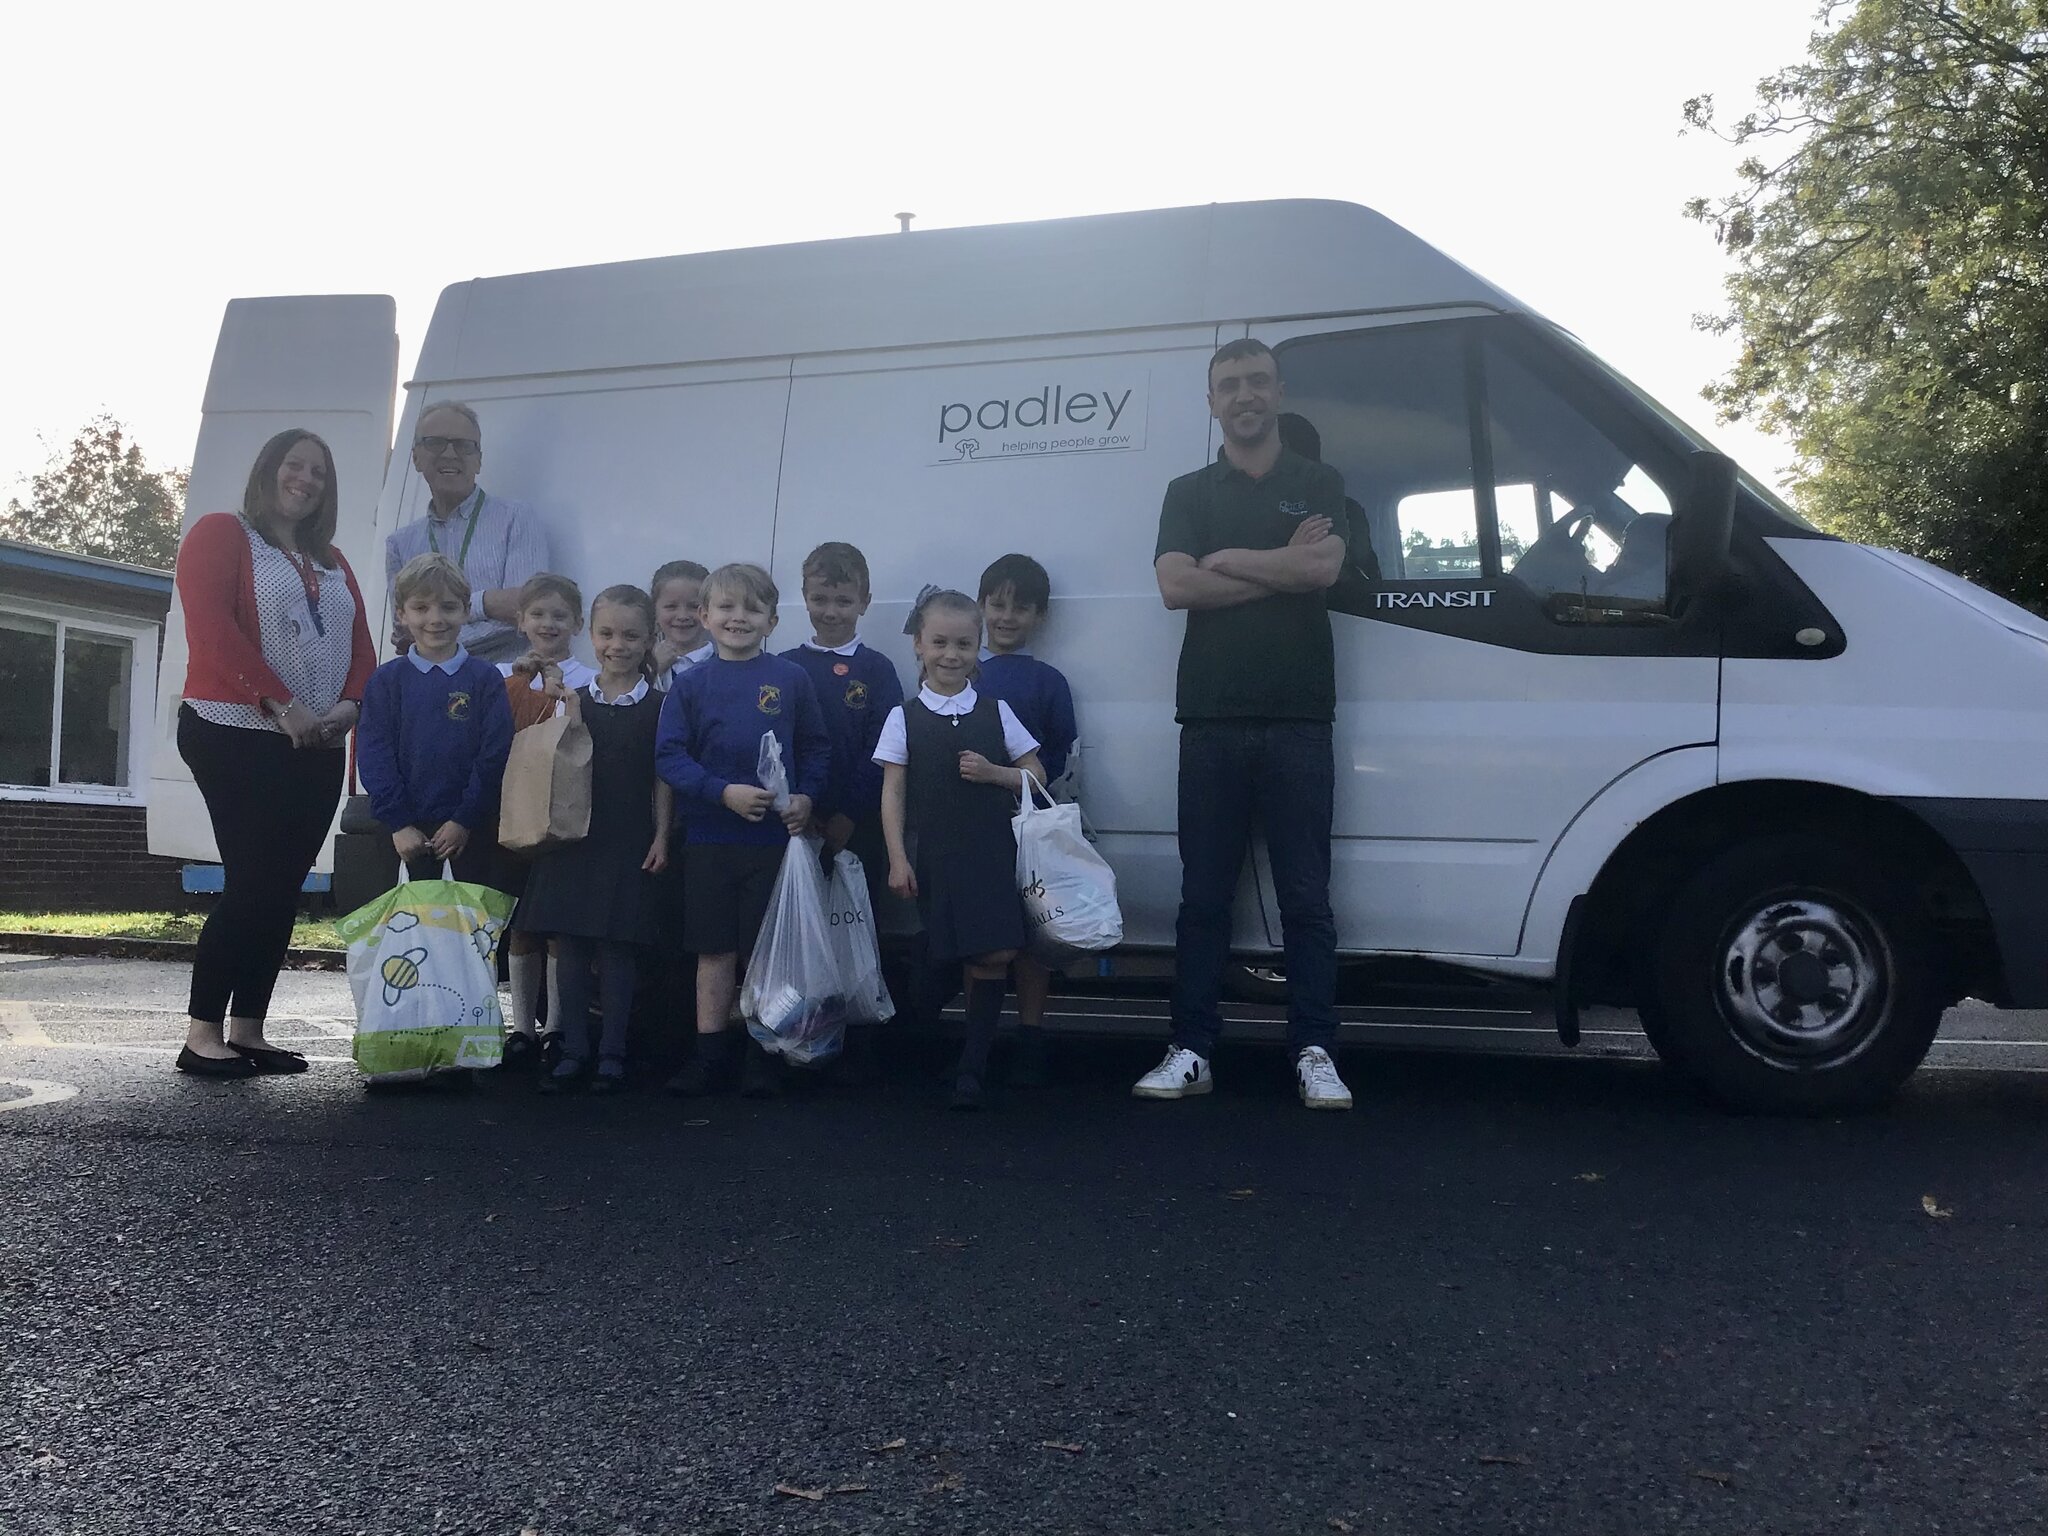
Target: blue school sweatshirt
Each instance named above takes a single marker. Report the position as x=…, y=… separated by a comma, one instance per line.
x=1039, y=697
x=432, y=742
x=710, y=737
x=855, y=694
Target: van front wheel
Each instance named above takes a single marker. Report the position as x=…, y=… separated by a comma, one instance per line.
x=1795, y=975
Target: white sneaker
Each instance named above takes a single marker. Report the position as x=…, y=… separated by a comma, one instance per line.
x=1181, y=1075
x=1316, y=1076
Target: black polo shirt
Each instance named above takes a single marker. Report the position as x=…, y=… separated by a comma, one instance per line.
x=1268, y=659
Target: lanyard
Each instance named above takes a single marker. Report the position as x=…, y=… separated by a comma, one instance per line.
x=475, y=511
x=310, y=580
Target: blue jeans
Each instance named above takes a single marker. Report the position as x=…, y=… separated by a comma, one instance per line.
x=1278, y=774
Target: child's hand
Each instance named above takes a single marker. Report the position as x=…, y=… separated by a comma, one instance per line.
x=666, y=655
x=797, y=815
x=749, y=802
x=902, y=880
x=976, y=769
x=838, y=832
x=409, y=842
x=449, y=839
x=528, y=664
x=1310, y=530
x=657, y=857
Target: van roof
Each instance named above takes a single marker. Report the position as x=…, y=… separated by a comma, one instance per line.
x=1057, y=277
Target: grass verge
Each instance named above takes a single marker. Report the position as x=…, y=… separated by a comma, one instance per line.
x=180, y=927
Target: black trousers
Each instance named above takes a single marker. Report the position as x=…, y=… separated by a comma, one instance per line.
x=271, y=804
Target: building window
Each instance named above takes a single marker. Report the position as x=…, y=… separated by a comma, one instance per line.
x=68, y=694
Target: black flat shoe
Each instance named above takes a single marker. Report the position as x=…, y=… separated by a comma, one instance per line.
x=521, y=1051
x=269, y=1059
x=191, y=1061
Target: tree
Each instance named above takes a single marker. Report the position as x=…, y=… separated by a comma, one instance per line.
x=1890, y=283
x=101, y=498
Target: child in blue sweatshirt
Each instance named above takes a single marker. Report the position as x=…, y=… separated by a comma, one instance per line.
x=707, y=746
x=435, y=732
x=1015, y=593
x=857, y=687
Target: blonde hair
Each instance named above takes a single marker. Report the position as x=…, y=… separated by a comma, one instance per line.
x=748, y=581
x=433, y=574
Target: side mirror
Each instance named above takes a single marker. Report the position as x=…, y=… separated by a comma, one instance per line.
x=1702, y=530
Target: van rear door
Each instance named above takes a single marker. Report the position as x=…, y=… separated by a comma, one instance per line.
x=1505, y=653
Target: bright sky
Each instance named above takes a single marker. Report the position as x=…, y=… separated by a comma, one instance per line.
x=163, y=159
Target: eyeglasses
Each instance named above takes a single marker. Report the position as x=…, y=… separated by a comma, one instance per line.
x=467, y=447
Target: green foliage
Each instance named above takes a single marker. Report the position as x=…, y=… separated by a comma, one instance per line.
x=100, y=498
x=1890, y=291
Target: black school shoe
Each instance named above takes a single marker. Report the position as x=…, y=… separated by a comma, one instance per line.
x=968, y=1093
x=521, y=1052
x=610, y=1076
x=197, y=1065
x=760, y=1074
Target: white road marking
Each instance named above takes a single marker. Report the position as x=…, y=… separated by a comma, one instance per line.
x=40, y=1091
x=21, y=1028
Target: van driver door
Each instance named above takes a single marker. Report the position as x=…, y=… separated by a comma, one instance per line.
x=1496, y=490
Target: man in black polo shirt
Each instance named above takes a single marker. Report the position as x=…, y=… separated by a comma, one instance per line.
x=1247, y=546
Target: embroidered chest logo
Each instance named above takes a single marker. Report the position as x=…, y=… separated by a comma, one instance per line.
x=856, y=695
x=458, y=706
x=770, y=699
x=1296, y=509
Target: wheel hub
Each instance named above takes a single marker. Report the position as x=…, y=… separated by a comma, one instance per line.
x=1804, y=978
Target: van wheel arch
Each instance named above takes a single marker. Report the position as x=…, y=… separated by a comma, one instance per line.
x=1629, y=901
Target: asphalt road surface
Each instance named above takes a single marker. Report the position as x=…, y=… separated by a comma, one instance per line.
x=1515, y=1291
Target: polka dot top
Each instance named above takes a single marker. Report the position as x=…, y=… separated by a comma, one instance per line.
x=314, y=666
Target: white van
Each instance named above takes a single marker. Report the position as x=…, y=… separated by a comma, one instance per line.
x=1611, y=718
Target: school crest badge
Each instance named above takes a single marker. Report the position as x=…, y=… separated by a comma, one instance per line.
x=458, y=706
x=856, y=695
x=770, y=699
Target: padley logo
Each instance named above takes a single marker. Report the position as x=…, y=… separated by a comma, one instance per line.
x=458, y=706
x=770, y=699
x=856, y=694
x=1018, y=412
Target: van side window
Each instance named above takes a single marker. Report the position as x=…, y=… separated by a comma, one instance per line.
x=1577, y=514
x=1393, y=407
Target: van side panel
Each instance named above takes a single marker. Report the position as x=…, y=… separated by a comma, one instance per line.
x=1930, y=697
x=329, y=365
x=624, y=470
x=936, y=460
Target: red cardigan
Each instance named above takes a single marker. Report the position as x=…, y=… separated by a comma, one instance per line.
x=223, y=634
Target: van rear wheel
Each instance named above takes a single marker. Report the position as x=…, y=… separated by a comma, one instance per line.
x=1794, y=976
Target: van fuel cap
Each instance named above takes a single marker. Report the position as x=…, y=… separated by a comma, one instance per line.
x=1811, y=636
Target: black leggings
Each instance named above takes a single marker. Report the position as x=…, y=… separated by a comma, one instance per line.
x=271, y=804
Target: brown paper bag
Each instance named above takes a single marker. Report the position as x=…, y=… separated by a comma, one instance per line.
x=546, y=797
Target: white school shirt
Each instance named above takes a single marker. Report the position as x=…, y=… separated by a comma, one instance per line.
x=576, y=673
x=685, y=662
x=847, y=649
x=894, y=747
x=632, y=695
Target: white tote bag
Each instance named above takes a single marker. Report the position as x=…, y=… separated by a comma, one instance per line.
x=1069, y=890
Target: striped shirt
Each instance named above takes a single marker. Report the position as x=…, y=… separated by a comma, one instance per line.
x=508, y=549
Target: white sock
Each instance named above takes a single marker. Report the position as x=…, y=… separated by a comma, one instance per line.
x=554, y=997
x=526, y=980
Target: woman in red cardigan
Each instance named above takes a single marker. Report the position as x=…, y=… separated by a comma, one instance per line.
x=279, y=653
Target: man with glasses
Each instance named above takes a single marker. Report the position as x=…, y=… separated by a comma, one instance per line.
x=499, y=544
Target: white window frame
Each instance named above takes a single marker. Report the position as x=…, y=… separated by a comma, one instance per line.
x=142, y=638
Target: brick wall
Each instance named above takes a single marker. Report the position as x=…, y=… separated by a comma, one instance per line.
x=63, y=858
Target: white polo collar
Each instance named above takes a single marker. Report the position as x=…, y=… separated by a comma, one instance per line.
x=834, y=650
x=451, y=666
x=959, y=704
x=632, y=696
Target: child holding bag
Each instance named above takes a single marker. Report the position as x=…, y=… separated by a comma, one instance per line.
x=953, y=764
x=595, y=897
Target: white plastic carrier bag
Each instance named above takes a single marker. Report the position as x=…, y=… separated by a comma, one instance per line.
x=851, y=914
x=793, y=997
x=1069, y=890
x=422, y=963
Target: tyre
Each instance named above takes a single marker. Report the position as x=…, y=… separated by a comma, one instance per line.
x=1794, y=975
x=1264, y=983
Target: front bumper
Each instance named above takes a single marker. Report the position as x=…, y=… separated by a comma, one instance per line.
x=2004, y=845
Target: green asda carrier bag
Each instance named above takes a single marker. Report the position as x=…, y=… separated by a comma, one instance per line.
x=423, y=964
